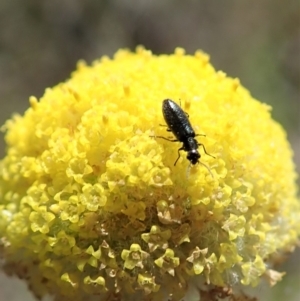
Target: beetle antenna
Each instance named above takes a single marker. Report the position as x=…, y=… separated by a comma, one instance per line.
x=188, y=171
x=207, y=168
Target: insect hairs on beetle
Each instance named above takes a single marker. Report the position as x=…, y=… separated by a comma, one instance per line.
x=178, y=123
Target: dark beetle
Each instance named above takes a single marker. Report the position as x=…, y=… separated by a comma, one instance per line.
x=178, y=123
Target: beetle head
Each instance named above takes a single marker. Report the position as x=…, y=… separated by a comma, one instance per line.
x=193, y=156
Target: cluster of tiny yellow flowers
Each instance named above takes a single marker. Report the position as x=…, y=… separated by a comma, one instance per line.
x=91, y=203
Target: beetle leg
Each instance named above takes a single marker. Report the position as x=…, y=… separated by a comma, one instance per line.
x=200, y=144
x=171, y=140
x=182, y=148
x=165, y=126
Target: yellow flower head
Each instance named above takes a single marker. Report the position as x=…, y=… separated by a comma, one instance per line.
x=92, y=204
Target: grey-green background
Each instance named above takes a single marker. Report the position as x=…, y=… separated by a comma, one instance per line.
x=257, y=41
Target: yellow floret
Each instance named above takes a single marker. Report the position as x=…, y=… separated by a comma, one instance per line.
x=92, y=204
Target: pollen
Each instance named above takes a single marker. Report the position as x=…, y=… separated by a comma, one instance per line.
x=91, y=203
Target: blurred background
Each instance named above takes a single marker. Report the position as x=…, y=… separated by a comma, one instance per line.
x=256, y=41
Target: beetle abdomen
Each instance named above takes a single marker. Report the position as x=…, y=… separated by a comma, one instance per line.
x=177, y=120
